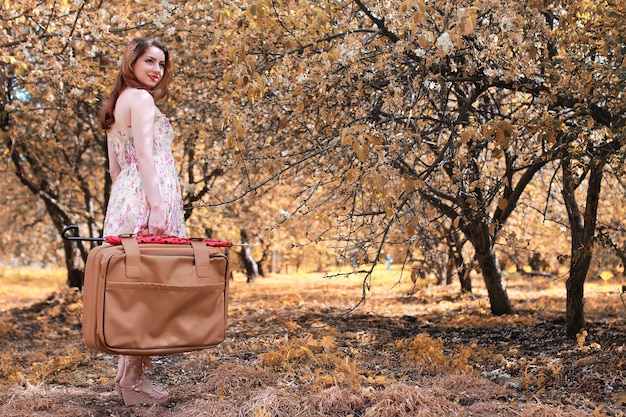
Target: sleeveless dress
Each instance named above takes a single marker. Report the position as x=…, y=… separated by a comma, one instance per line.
x=128, y=210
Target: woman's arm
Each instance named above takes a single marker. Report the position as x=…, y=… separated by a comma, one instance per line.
x=114, y=166
x=142, y=113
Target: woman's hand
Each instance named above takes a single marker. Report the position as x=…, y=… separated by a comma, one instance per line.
x=156, y=221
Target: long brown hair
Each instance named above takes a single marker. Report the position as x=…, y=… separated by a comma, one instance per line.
x=126, y=78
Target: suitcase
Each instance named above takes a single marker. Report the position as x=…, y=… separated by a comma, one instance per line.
x=153, y=298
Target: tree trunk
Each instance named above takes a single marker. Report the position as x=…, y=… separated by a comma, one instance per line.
x=75, y=251
x=575, y=299
x=465, y=279
x=260, y=262
x=249, y=264
x=583, y=232
x=455, y=249
x=478, y=235
x=492, y=275
x=73, y=263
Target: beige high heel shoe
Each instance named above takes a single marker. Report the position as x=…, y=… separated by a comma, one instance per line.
x=135, y=395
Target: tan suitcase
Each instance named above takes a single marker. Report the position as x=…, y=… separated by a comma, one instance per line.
x=151, y=299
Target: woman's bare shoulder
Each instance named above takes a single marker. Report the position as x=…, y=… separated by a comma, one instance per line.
x=135, y=100
x=134, y=94
x=132, y=101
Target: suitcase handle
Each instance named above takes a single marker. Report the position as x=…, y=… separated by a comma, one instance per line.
x=74, y=228
x=133, y=258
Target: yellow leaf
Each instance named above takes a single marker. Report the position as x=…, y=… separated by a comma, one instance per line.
x=418, y=17
x=327, y=342
x=308, y=352
x=606, y=275
x=239, y=129
x=619, y=398
x=467, y=21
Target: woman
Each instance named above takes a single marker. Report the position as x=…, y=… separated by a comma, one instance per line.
x=145, y=197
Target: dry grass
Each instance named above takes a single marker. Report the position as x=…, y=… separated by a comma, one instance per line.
x=291, y=351
x=25, y=285
x=233, y=379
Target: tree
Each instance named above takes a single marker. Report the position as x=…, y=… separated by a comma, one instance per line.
x=591, y=51
x=459, y=104
x=380, y=109
x=54, y=156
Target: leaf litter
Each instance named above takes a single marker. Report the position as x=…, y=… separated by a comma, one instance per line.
x=292, y=351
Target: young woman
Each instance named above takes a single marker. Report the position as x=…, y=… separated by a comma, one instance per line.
x=145, y=197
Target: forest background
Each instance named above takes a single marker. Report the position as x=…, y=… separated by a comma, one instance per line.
x=464, y=139
x=453, y=136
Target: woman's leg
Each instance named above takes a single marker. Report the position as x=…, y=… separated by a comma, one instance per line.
x=120, y=369
x=121, y=365
x=134, y=386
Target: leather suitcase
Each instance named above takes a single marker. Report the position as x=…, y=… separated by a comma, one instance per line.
x=152, y=299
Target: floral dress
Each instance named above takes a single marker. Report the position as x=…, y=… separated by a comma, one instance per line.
x=128, y=209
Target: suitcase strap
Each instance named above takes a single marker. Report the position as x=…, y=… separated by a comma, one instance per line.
x=201, y=257
x=133, y=257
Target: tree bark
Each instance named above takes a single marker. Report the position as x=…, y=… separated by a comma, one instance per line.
x=492, y=275
x=75, y=271
x=575, y=299
x=455, y=249
x=478, y=234
x=582, y=232
x=249, y=264
x=465, y=279
x=75, y=251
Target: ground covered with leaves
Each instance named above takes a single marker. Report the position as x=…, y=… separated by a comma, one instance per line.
x=291, y=350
